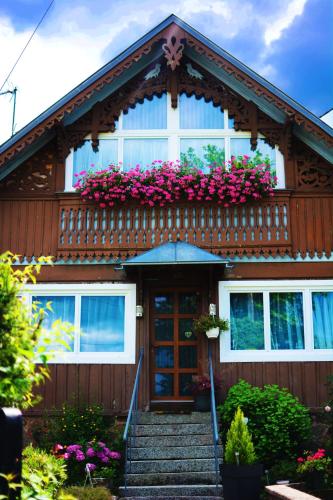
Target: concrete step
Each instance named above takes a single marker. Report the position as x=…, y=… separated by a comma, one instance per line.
x=172, y=429
x=173, y=452
x=172, y=492
x=195, y=417
x=190, y=440
x=190, y=465
x=170, y=478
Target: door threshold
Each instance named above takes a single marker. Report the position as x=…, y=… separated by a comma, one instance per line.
x=172, y=406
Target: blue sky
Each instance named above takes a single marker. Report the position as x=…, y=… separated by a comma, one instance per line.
x=289, y=42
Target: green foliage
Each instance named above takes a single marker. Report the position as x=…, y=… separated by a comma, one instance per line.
x=239, y=448
x=42, y=474
x=74, y=425
x=22, y=338
x=80, y=493
x=212, y=156
x=205, y=322
x=278, y=423
x=283, y=470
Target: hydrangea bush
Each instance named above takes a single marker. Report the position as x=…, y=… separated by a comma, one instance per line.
x=243, y=180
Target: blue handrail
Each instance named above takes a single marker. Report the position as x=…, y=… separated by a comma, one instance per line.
x=213, y=418
x=131, y=422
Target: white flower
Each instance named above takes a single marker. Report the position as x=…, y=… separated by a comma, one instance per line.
x=327, y=409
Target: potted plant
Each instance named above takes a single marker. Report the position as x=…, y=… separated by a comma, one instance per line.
x=210, y=325
x=314, y=468
x=241, y=475
x=200, y=388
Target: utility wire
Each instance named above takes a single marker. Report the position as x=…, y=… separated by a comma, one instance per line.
x=26, y=45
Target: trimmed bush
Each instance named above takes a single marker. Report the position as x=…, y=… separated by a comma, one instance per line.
x=42, y=474
x=239, y=446
x=278, y=423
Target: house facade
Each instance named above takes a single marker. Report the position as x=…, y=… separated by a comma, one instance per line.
x=132, y=276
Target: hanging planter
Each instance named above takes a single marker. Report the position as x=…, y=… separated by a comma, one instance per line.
x=210, y=325
x=164, y=183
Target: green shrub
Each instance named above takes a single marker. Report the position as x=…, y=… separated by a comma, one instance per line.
x=278, y=423
x=80, y=493
x=239, y=447
x=42, y=474
x=75, y=425
x=284, y=470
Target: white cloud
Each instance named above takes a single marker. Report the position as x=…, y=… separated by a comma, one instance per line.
x=275, y=28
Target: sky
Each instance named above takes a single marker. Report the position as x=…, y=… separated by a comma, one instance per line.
x=289, y=42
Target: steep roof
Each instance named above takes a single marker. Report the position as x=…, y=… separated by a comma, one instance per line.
x=279, y=106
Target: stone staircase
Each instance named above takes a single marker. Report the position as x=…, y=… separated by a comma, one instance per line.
x=173, y=458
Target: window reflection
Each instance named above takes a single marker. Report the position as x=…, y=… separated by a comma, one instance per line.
x=202, y=153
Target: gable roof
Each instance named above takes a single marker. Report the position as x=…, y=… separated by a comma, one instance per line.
x=311, y=129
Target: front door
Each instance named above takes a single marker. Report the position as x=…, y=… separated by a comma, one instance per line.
x=174, y=345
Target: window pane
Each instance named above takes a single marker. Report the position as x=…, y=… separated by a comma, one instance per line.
x=247, y=321
x=185, y=380
x=197, y=113
x=144, y=151
x=188, y=302
x=63, y=309
x=163, y=384
x=151, y=114
x=85, y=158
x=164, y=357
x=188, y=356
x=286, y=316
x=163, y=329
x=202, y=152
x=322, y=306
x=163, y=303
x=243, y=147
x=186, y=331
x=102, y=324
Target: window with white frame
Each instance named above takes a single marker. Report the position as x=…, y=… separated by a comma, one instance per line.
x=277, y=320
x=196, y=131
x=103, y=316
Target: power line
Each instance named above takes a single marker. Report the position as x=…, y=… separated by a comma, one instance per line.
x=26, y=45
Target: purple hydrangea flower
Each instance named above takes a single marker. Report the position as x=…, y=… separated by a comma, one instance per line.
x=115, y=455
x=91, y=467
x=73, y=448
x=90, y=452
x=80, y=456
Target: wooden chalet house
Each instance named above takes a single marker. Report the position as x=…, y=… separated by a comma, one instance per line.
x=267, y=265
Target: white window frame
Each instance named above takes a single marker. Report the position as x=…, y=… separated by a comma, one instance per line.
x=306, y=287
x=92, y=289
x=173, y=133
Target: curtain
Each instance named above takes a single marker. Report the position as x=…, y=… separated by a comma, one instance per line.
x=197, y=113
x=102, y=323
x=322, y=306
x=247, y=321
x=144, y=151
x=85, y=158
x=151, y=114
x=286, y=317
x=62, y=308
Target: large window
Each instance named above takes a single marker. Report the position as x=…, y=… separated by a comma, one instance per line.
x=196, y=132
x=103, y=316
x=277, y=320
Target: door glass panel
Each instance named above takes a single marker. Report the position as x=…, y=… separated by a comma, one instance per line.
x=163, y=384
x=286, y=315
x=163, y=329
x=186, y=329
x=164, y=357
x=188, y=303
x=188, y=356
x=163, y=303
x=185, y=380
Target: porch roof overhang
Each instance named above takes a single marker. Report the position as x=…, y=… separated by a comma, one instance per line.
x=173, y=253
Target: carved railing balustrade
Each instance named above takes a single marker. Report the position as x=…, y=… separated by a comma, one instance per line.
x=86, y=231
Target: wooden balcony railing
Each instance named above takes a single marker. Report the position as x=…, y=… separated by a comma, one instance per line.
x=86, y=231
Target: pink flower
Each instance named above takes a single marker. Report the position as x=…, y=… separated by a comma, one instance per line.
x=115, y=455
x=91, y=467
x=90, y=452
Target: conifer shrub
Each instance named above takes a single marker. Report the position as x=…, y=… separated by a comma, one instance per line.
x=239, y=447
x=279, y=424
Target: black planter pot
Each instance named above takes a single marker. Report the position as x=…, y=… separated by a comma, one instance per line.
x=202, y=401
x=241, y=482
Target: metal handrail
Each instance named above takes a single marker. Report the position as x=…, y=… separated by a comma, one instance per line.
x=213, y=418
x=131, y=422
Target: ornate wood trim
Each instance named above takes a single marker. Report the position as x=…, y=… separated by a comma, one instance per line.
x=174, y=55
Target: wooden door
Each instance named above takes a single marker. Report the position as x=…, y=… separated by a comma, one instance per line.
x=174, y=347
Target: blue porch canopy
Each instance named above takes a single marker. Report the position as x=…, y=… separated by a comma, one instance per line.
x=172, y=253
